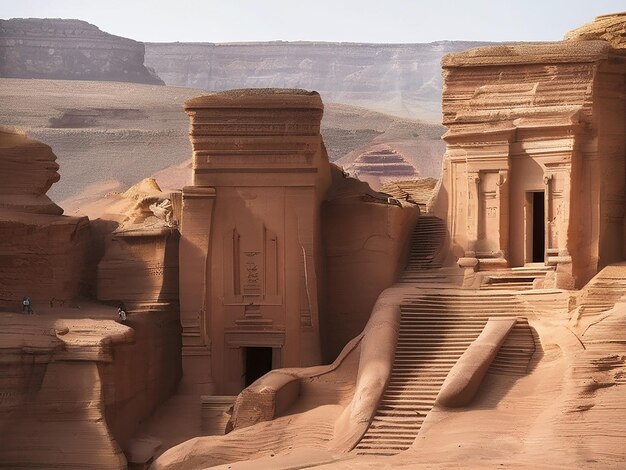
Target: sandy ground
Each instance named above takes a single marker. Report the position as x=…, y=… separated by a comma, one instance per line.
x=109, y=135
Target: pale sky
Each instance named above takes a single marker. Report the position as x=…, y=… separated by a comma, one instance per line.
x=382, y=21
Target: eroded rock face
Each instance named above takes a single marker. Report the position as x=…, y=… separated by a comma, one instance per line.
x=140, y=262
x=366, y=239
x=28, y=170
x=400, y=79
x=69, y=49
x=610, y=28
x=54, y=415
x=42, y=253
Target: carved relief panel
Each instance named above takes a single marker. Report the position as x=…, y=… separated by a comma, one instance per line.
x=489, y=212
x=250, y=265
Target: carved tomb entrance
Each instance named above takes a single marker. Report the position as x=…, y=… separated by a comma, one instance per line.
x=535, y=227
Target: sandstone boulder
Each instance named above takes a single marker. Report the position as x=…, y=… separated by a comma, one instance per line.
x=610, y=28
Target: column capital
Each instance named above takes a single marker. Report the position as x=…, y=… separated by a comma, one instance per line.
x=547, y=178
x=473, y=177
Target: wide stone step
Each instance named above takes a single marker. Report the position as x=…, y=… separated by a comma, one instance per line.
x=417, y=324
x=425, y=306
x=382, y=452
x=407, y=403
x=408, y=422
x=391, y=413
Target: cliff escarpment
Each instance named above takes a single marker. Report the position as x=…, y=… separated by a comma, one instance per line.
x=399, y=79
x=69, y=50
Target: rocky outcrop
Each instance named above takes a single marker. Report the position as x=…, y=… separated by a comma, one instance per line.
x=140, y=262
x=420, y=191
x=74, y=385
x=381, y=165
x=610, y=28
x=42, y=253
x=58, y=420
x=399, y=79
x=70, y=50
x=75, y=390
x=29, y=169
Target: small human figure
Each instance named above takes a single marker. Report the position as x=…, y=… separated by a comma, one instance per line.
x=121, y=311
x=26, y=308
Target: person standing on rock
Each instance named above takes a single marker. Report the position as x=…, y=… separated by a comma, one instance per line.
x=121, y=311
x=26, y=308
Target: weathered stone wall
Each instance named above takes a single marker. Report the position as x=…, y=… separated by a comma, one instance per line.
x=69, y=49
x=144, y=373
x=74, y=391
x=366, y=241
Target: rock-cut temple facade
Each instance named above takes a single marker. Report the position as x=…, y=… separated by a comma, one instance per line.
x=285, y=314
x=251, y=236
x=535, y=170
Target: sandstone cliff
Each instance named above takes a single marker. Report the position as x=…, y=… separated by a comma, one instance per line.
x=399, y=79
x=41, y=252
x=69, y=49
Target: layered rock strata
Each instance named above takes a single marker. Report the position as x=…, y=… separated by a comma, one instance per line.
x=42, y=253
x=610, y=28
x=366, y=236
x=140, y=263
x=381, y=165
x=60, y=420
x=399, y=79
x=69, y=50
x=75, y=390
x=420, y=191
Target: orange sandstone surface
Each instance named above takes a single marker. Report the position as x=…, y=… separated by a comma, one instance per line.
x=284, y=315
x=482, y=354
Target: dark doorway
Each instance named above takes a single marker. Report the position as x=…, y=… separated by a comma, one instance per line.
x=258, y=363
x=539, y=228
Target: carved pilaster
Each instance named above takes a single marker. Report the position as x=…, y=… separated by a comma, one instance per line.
x=193, y=285
x=503, y=211
x=473, y=208
x=547, y=180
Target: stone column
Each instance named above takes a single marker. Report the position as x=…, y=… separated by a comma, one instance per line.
x=503, y=211
x=547, y=207
x=194, y=286
x=473, y=206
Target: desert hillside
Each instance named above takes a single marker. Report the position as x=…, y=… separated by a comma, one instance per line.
x=55, y=48
x=108, y=135
x=399, y=79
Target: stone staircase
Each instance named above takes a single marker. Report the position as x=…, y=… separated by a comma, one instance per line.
x=426, y=243
x=435, y=330
x=521, y=278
